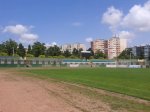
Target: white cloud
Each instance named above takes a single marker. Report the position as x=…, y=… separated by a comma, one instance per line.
x=136, y=21
x=50, y=44
x=112, y=17
x=23, y=32
x=17, y=29
x=126, y=35
x=47, y=45
x=53, y=43
x=28, y=38
x=89, y=39
x=138, y=18
x=76, y=24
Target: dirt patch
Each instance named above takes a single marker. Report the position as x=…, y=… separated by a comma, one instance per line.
x=26, y=94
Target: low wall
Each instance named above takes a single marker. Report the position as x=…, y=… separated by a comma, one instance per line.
x=135, y=66
x=74, y=65
x=117, y=66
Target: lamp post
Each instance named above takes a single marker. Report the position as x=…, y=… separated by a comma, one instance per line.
x=130, y=57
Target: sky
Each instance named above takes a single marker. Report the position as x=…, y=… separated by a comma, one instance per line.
x=70, y=21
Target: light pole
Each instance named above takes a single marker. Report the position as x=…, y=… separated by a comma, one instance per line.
x=130, y=58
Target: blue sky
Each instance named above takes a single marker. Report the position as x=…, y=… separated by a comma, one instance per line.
x=69, y=21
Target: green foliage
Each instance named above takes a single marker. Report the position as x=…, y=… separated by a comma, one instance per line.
x=50, y=56
x=21, y=51
x=42, y=56
x=3, y=54
x=38, y=49
x=99, y=55
x=60, y=57
x=91, y=57
x=73, y=57
x=10, y=46
x=29, y=49
x=2, y=48
x=29, y=55
x=126, y=54
x=16, y=55
x=79, y=52
x=92, y=53
x=53, y=51
x=57, y=57
x=75, y=52
x=67, y=53
x=134, y=82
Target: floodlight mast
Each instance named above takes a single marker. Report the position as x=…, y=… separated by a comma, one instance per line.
x=130, y=58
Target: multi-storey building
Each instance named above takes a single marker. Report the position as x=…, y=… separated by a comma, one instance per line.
x=115, y=46
x=138, y=51
x=65, y=47
x=70, y=47
x=147, y=52
x=99, y=45
x=111, y=47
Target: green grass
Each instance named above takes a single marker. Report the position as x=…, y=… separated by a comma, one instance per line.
x=133, y=82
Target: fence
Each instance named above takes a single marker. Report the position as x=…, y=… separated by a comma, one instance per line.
x=35, y=62
x=47, y=62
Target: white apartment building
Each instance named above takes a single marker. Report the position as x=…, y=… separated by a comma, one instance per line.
x=115, y=46
x=70, y=47
x=99, y=45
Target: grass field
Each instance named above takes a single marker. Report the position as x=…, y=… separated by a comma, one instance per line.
x=133, y=82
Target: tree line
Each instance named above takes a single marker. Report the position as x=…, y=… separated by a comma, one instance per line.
x=38, y=49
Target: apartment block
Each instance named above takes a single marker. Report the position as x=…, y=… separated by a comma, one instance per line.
x=141, y=52
x=111, y=47
x=99, y=45
x=115, y=46
x=70, y=47
x=138, y=51
x=147, y=52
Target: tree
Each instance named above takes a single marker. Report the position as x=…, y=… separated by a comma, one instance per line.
x=79, y=52
x=75, y=52
x=2, y=48
x=67, y=53
x=3, y=54
x=21, y=51
x=92, y=53
x=73, y=57
x=29, y=50
x=53, y=51
x=42, y=56
x=125, y=54
x=99, y=54
x=38, y=49
x=10, y=46
x=29, y=56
